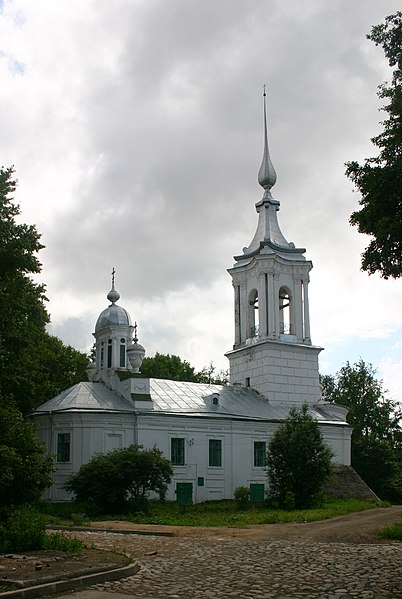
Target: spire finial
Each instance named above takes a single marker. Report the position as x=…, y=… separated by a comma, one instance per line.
x=266, y=174
x=135, y=332
x=113, y=296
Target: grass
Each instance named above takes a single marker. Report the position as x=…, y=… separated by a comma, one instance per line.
x=213, y=513
x=393, y=532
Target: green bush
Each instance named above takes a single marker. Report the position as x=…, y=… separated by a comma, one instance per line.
x=120, y=480
x=298, y=462
x=23, y=530
x=242, y=497
x=59, y=541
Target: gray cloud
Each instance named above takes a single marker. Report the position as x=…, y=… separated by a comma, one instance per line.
x=136, y=130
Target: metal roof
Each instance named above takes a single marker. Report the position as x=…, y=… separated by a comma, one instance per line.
x=113, y=315
x=176, y=398
x=86, y=397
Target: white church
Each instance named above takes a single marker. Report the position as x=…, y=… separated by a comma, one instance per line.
x=215, y=436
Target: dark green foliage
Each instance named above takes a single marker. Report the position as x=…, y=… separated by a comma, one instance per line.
x=242, y=497
x=376, y=422
x=34, y=366
x=23, y=530
x=392, y=532
x=170, y=367
x=298, y=461
x=122, y=479
x=53, y=367
x=25, y=467
x=59, y=541
x=166, y=366
x=379, y=179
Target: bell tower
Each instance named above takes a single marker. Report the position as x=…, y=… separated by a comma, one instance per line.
x=272, y=349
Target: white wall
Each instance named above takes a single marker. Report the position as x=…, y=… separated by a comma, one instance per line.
x=98, y=433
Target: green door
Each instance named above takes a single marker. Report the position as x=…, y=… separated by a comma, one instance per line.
x=257, y=492
x=184, y=493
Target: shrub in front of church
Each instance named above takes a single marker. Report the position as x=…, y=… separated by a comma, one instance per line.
x=24, y=529
x=121, y=480
x=298, y=462
x=242, y=497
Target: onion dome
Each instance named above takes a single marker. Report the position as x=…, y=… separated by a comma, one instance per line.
x=113, y=315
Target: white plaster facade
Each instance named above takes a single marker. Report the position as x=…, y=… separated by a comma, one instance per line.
x=215, y=435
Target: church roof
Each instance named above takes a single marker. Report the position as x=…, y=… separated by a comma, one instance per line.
x=176, y=398
x=86, y=397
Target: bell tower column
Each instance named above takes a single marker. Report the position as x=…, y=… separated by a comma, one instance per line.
x=307, y=336
x=271, y=304
x=262, y=304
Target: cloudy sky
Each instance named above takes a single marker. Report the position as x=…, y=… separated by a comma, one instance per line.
x=135, y=128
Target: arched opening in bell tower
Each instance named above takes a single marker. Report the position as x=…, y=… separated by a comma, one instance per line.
x=253, y=318
x=285, y=324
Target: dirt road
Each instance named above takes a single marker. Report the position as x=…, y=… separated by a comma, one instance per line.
x=357, y=527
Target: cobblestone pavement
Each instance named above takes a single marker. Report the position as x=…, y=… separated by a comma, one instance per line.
x=225, y=568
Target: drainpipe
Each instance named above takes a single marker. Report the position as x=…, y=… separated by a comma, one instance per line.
x=50, y=452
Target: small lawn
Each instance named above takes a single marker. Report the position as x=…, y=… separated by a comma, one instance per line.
x=393, y=532
x=210, y=513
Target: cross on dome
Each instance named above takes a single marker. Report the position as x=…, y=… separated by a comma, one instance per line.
x=113, y=296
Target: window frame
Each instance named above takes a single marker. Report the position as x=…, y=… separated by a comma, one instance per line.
x=215, y=453
x=260, y=454
x=178, y=453
x=63, y=455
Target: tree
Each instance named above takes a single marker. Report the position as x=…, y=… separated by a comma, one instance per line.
x=298, y=461
x=376, y=422
x=46, y=371
x=25, y=467
x=379, y=179
x=123, y=478
x=170, y=367
x=34, y=366
x=166, y=366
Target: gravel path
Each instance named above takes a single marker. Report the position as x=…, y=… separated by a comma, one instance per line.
x=315, y=560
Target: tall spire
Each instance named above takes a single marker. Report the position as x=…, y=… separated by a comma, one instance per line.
x=113, y=296
x=266, y=174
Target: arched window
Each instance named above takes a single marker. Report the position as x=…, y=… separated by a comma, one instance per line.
x=285, y=325
x=122, y=352
x=109, y=353
x=102, y=354
x=253, y=318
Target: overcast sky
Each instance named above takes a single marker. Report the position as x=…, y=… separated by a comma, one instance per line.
x=135, y=128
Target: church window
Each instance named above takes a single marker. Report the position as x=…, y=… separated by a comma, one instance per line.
x=253, y=314
x=102, y=354
x=215, y=452
x=109, y=353
x=285, y=326
x=260, y=454
x=63, y=447
x=122, y=352
x=177, y=455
